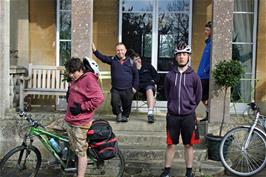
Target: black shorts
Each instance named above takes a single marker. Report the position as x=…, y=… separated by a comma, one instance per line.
x=180, y=124
x=205, y=89
x=147, y=87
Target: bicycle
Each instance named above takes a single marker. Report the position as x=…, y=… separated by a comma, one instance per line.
x=26, y=159
x=243, y=149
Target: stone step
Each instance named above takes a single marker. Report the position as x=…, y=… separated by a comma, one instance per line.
x=139, y=123
x=147, y=153
x=144, y=138
x=154, y=168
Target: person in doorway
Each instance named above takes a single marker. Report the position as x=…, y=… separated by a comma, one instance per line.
x=85, y=96
x=204, y=69
x=148, y=77
x=183, y=92
x=124, y=78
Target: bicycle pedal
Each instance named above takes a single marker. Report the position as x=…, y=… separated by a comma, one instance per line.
x=71, y=169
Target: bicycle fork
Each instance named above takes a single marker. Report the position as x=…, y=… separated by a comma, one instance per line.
x=250, y=133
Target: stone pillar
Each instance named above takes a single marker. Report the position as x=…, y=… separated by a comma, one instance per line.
x=82, y=21
x=4, y=56
x=221, y=50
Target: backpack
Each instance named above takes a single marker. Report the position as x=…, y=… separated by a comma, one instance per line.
x=102, y=140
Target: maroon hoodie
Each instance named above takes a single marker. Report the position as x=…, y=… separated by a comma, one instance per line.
x=183, y=91
x=87, y=92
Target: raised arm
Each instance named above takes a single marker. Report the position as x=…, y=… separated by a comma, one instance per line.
x=100, y=56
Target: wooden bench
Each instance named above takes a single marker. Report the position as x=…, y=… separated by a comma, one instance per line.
x=42, y=80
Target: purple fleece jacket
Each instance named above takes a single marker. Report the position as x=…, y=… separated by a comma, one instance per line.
x=183, y=91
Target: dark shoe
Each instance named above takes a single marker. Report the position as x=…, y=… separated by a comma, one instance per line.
x=119, y=117
x=165, y=174
x=150, y=118
x=190, y=175
x=124, y=119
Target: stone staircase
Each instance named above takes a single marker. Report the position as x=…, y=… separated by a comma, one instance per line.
x=143, y=146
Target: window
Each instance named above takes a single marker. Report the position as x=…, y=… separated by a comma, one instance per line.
x=63, y=31
x=153, y=28
x=244, y=47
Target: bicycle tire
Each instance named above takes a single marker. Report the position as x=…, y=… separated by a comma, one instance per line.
x=21, y=161
x=242, y=162
x=109, y=168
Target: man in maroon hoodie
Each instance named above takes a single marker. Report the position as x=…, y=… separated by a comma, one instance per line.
x=183, y=93
x=85, y=95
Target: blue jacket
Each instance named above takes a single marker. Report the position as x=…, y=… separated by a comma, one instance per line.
x=123, y=76
x=204, y=66
x=183, y=91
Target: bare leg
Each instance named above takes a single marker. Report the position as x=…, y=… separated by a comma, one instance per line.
x=82, y=164
x=150, y=98
x=169, y=155
x=188, y=155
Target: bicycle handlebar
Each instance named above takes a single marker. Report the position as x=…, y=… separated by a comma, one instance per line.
x=254, y=106
x=27, y=117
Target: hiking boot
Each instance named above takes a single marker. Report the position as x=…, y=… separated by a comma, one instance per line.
x=165, y=174
x=119, y=117
x=124, y=119
x=190, y=175
x=150, y=118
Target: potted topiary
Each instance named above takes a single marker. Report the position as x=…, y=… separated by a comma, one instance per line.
x=226, y=74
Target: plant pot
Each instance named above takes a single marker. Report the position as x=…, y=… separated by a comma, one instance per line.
x=213, y=145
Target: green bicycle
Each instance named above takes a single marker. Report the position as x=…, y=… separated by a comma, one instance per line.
x=25, y=160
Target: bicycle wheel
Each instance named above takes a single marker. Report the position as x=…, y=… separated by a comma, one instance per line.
x=21, y=161
x=240, y=161
x=108, y=168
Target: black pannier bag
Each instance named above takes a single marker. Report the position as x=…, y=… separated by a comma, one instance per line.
x=102, y=139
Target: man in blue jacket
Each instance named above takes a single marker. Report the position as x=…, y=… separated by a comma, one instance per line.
x=124, y=78
x=183, y=92
x=204, y=68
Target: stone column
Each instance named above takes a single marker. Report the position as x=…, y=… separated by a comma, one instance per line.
x=221, y=50
x=82, y=21
x=4, y=56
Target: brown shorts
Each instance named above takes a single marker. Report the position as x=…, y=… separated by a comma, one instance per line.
x=77, y=138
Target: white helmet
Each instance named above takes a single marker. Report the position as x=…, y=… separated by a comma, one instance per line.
x=91, y=65
x=182, y=47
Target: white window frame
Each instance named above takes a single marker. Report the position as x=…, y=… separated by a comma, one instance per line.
x=240, y=108
x=155, y=15
x=58, y=40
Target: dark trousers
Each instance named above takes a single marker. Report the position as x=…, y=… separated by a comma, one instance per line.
x=121, y=101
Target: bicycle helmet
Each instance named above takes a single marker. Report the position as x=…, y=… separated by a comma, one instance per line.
x=182, y=47
x=91, y=65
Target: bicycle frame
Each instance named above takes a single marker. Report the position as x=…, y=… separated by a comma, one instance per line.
x=44, y=136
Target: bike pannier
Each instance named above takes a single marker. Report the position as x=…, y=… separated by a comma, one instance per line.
x=102, y=139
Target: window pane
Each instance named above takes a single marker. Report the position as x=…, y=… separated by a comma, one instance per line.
x=137, y=5
x=65, y=4
x=243, y=53
x=173, y=27
x=174, y=5
x=65, y=51
x=243, y=91
x=65, y=25
x=244, y=5
x=160, y=88
x=243, y=28
x=136, y=33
